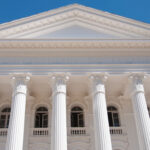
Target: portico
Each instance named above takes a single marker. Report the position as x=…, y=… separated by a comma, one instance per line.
x=74, y=79
x=88, y=98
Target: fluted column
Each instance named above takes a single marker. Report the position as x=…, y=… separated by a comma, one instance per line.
x=102, y=133
x=17, y=116
x=59, y=127
x=140, y=110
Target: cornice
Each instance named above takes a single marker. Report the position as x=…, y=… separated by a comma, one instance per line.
x=75, y=12
x=45, y=70
x=74, y=44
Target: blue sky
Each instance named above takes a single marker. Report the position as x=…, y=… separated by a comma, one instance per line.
x=15, y=9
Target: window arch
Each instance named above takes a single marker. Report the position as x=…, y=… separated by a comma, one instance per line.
x=77, y=117
x=4, y=117
x=41, y=118
x=113, y=116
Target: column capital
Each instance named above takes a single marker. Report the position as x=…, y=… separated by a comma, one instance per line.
x=59, y=82
x=136, y=81
x=60, y=76
x=137, y=76
x=98, y=80
x=20, y=77
x=99, y=77
x=19, y=82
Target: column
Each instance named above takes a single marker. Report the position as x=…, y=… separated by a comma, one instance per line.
x=59, y=127
x=140, y=110
x=102, y=133
x=17, y=116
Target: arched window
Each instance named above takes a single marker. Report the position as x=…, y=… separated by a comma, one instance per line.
x=113, y=116
x=77, y=117
x=41, y=117
x=4, y=117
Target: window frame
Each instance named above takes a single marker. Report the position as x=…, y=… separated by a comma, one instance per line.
x=7, y=117
x=113, y=118
x=41, y=114
x=78, y=114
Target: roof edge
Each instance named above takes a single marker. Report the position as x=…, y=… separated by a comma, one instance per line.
x=69, y=7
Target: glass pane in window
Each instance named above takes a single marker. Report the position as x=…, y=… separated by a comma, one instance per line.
x=116, y=119
x=76, y=109
x=74, y=120
x=116, y=122
x=37, y=121
x=6, y=110
x=111, y=108
x=42, y=109
x=3, y=117
x=45, y=120
x=115, y=115
x=110, y=119
x=81, y=122
x=7, y=124
x=2, y=123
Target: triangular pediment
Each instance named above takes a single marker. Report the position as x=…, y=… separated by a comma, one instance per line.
x=75, y=22
x=74, y=30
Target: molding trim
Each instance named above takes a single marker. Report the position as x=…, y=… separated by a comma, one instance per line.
x=74, y=43
x=44, y=70
x=73, y=11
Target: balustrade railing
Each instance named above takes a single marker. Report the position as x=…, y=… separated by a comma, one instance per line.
x=73, y=131
x=3, y=132
x=40, y=131
x=116, y=130
x=78, y=131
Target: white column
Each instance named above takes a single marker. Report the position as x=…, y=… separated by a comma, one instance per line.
x=17, y=116
x=140, y=110
x=59, y=127
x=102, y=133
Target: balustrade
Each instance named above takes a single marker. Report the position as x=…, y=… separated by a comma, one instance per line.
x=40, y=131
x=78, y=131
x=116, y=130
x=73, y=131
x=3, y=132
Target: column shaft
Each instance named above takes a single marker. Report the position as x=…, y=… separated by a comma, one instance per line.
x=59, y=127
x=16, y=125
x=140, y=111
x=102, y=133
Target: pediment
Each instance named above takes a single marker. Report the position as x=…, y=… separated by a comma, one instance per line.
x=74, y=31
x=75, y=22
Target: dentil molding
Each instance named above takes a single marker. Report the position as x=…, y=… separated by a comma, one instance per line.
x=74, y=44
x=74, y=11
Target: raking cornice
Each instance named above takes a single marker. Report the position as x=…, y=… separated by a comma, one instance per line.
x=73, y=11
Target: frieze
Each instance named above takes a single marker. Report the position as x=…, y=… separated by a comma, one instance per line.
x=74, y=44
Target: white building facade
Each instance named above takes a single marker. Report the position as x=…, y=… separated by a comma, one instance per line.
x=75, y=78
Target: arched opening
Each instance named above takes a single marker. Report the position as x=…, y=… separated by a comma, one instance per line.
x=4, y=117
x=41, y=118
x=77, y=117
x=113, y=116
